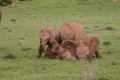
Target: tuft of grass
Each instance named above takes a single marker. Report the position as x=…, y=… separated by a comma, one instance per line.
x=4, y=28
x=90, y=72
x=9, y=30
x=106, y=43
x=22, y=38
x=114, y=63
x=109, y=28
x=101, y=78
x=96, y=26
x=13, y=20
x=22, y=0
x=8, y=56
x=26, y=49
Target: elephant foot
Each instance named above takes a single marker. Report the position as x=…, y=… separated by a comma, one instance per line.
x=98, y=54
x=83, y=59
x=38, y=56
x=51, y=56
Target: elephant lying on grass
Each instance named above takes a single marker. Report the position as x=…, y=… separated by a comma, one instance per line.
x=67, y=50
x=64, y=51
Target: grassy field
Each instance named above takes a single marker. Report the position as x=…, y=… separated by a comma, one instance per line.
x=19, y=39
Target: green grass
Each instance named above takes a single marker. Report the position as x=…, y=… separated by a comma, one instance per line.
x=19, y=39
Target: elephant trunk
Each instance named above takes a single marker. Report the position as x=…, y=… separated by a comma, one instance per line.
x=41, y=50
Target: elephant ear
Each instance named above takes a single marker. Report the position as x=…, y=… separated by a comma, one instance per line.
x=70, y=43
x=94, y=41
x=52, y=36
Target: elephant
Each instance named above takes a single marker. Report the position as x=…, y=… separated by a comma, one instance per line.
x=94, y=43
x=73, y=31
x=48, y=36
x=76, y=32
x=65, y=51
x=0, y=13
x=49, y=53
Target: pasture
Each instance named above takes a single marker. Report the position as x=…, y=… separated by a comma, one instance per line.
x=19, y=39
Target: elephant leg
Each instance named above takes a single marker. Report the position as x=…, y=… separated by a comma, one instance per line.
x=49, y=53
x=67, y=56
x=98, y=54
x=39, y=52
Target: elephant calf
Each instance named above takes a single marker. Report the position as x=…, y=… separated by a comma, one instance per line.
x=48, y=36
x=69, y=48
x=65, y=51
x=94, y=43
x=76, y=32
x=49, y=53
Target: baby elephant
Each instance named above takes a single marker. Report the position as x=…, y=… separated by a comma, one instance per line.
x=94, y=43
x=65, y=51
x=50, y=53
x=48, y=36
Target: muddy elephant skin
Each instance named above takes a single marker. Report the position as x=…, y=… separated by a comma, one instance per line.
x=48, y=36
x=94, y=51
x=76, y=32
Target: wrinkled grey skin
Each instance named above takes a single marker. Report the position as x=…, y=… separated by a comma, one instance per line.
x=48, y=36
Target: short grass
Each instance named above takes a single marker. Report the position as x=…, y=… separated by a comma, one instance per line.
x=19, y=39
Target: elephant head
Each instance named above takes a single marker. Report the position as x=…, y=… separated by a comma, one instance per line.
x=67, y=50
x=48, y=36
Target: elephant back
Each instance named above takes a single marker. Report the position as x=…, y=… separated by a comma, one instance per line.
x=73, y=31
